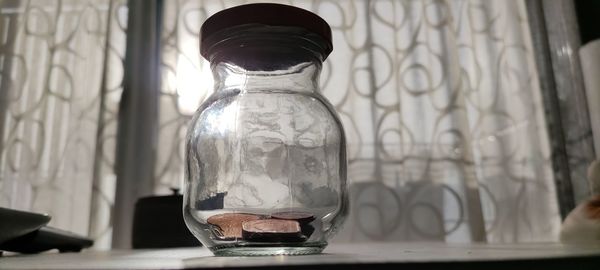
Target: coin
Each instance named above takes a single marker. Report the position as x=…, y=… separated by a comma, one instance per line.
x=230, y=224
x=300, y=216
x=272, y=230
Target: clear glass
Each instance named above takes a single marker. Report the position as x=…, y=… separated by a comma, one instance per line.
x=266, y=154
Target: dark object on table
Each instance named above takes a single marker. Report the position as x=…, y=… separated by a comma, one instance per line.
x=229, y=225
x=15, y=223
x=47, y=238
x=25, y=232
x=212, y=203
x=272, y=230
x=158, y=223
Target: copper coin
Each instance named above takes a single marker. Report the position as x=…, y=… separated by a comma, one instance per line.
x=272, y=230
x=230, y=225
x=300, y=216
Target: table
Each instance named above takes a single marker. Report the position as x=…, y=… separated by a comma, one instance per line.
x=336, y=256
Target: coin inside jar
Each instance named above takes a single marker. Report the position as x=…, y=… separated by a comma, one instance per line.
x=230, y=224
x=304, y=218
x=300, y=216
x=272, y=230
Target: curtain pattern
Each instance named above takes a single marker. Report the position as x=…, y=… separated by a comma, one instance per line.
x=53, y=62
x=103, y=188
x=440, y=102
x=442, y=111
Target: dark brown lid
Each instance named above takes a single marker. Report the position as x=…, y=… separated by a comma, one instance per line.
x=267, y=14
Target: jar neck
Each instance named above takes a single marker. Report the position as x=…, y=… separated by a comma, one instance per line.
x=269, y=58
x=302, y=77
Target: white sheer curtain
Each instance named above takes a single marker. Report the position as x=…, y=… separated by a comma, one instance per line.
x=62, y=65
x=440, y=101
x=442, y=111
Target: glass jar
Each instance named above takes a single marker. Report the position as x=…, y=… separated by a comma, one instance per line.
x=265, y=153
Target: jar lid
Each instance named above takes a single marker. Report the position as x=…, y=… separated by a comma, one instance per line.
x=267, y=14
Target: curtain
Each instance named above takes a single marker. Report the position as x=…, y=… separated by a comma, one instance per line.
x=61, y=64
x=440, y=100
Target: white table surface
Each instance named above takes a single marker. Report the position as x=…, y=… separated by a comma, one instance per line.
x=339, y=254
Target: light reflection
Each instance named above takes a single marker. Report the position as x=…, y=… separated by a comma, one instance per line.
x=565, y=51
x=193, y=84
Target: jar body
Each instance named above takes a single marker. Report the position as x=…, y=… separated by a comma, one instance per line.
x=265, y=162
